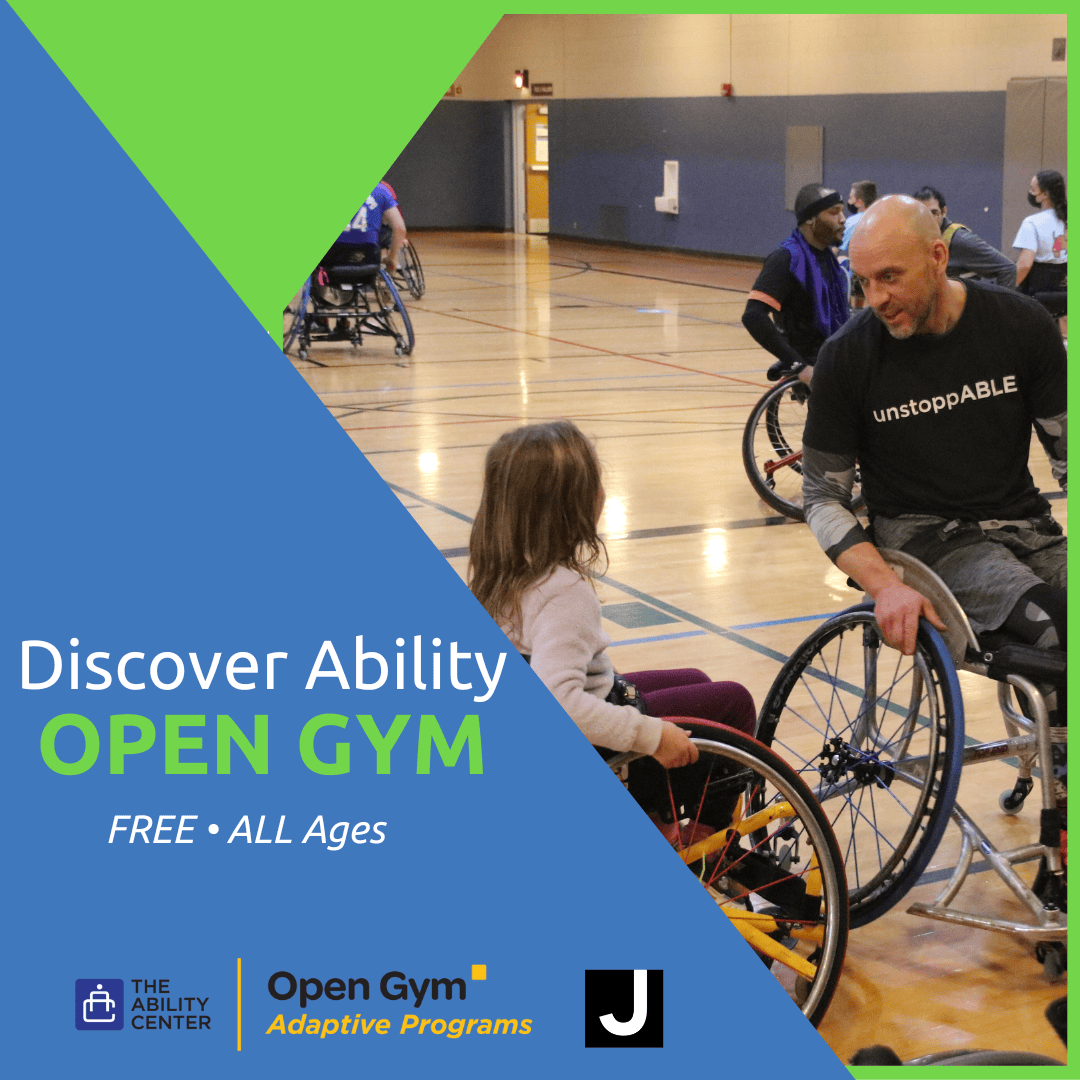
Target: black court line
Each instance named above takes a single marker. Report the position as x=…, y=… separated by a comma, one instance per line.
x=652, y=277
x=431, y=502
x=599, y=303
x=326, y=395
x=485, y=445
x=662, y=605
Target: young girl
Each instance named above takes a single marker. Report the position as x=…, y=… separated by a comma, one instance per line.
x=533, y=546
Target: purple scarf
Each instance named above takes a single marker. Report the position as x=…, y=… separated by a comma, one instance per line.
x=828, y=291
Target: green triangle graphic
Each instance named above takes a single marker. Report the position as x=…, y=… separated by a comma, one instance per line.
x=262, y=126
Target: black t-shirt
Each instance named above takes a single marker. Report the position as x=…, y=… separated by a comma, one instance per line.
x=941, y=424
x=796, y=315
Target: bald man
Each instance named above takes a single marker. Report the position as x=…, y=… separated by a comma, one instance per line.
x=933, y=389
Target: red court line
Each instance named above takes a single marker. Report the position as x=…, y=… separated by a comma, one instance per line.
x=504, y=419
x=606, y=352
x=442, y=423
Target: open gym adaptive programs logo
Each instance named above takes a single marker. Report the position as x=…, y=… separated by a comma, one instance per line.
x=99, y=1004
x=624, y=1008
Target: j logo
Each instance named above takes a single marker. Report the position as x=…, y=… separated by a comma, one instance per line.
x=641, y=1009
x=624, y=1008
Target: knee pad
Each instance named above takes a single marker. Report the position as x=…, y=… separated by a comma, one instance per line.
x=1039, y=617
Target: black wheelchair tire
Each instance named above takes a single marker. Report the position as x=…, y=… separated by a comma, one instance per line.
x=775, y=427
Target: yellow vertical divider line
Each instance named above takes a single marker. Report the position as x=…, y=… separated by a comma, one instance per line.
x=238, y=1005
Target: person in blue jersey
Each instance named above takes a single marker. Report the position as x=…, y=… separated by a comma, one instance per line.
x=358, y=244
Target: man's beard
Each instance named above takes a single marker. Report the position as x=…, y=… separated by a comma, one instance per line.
x=827, y=235
x=916, y=324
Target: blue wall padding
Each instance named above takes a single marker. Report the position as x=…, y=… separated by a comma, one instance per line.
x=609, y=154
x=451, y=175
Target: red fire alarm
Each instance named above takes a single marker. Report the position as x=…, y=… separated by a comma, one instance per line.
x=726, y=89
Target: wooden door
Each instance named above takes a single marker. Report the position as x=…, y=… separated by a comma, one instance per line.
x=536, y=168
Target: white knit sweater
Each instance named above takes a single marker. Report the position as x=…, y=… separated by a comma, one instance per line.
x=561, y=632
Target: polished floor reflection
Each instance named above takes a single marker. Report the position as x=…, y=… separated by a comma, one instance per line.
x=646, y=353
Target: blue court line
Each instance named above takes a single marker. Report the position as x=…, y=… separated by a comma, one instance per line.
x=659, y=637
x=662, y=605
x=728, y=633
x=782, y=622
x=694, y=620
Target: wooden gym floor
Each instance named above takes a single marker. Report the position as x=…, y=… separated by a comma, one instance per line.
x=645, y=351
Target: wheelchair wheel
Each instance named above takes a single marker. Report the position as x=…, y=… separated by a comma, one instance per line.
x=409, y=272
x=294, y=322
x=751, y=832
x=772, y=448
x=878, y=737
x=393, y=315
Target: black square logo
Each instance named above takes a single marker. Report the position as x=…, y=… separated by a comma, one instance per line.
x=624, y=1008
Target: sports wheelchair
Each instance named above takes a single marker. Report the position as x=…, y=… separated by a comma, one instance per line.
x=750, y=831
x=772, y=448
x=409, y=273
x=879, y=738
x=366, y=301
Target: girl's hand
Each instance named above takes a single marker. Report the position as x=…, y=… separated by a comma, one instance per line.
x=675, y=748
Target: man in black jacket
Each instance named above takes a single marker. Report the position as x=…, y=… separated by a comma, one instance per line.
x=800, y=296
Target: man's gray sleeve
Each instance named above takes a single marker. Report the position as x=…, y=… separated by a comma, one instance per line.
x=827, y=483
x=971, y=254
x=1053, y=433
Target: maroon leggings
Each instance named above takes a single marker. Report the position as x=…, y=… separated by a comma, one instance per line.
x=689, y=692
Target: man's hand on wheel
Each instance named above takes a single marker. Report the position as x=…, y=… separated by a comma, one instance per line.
x=898, y=609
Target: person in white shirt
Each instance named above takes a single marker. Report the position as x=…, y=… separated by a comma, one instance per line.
x=1043, y=260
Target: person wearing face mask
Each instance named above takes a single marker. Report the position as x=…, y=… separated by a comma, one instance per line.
x=862, y=196
x=800, y=296
x=1043, y=260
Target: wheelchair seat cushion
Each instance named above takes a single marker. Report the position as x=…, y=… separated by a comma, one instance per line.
x=362, y=274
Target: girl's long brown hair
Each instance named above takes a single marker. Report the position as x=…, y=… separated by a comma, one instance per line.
x=541, y=499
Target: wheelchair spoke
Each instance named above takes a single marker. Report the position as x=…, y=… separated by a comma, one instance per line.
x=874, y=743
x=757, y=840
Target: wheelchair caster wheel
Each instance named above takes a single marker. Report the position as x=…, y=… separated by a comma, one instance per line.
x=1054, y=960
x=1012, y=802
x=1008, y=804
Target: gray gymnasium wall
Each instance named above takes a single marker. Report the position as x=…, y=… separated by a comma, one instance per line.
x=607, y=163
